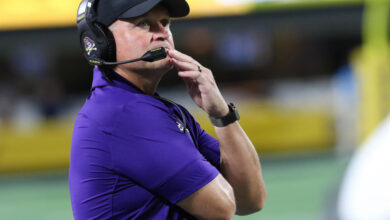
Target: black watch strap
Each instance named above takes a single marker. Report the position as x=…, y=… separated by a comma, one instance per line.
x=231, y=117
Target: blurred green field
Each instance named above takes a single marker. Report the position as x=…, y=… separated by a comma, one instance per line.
x=298, y=188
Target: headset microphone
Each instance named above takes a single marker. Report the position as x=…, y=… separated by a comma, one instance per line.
x=150, y=56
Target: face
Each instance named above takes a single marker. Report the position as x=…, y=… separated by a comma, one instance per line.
x=135, y=36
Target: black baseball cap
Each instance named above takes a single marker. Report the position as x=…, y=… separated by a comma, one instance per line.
x=110, y=10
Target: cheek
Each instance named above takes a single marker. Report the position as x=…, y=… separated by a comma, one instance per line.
x=129, y=45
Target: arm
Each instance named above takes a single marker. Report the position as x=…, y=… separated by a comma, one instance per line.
x=239, y=161
x=213, y=201
x=241, y=167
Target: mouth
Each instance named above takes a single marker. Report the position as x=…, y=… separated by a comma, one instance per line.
x=166, y=51
x=165, y=47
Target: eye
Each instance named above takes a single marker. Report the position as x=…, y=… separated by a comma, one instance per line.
x=165, y=22
x=143, y=24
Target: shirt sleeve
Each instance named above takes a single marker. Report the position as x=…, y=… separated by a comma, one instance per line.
x=148, y=147
x=208, y=146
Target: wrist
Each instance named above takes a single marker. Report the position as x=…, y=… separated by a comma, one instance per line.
x=221, y=112
x=231, y=116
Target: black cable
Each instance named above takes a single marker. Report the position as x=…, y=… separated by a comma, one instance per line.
x=122, y=62
x=150, y=56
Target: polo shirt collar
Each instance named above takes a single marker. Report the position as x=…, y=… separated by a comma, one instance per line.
x=99, y=80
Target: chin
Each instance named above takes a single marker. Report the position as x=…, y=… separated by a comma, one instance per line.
x=162, y=65
x=157, y=67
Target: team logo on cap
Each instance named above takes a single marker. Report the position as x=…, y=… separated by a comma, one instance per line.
x=89, y=45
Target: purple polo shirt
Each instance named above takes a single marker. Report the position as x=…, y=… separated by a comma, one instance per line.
x=129, y=158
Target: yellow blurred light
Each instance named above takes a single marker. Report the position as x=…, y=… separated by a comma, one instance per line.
x=22, y=14
x=218, y=7
x=37, y=13
x=57, y=13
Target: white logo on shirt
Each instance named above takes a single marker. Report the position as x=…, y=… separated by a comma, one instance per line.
x=180, y=126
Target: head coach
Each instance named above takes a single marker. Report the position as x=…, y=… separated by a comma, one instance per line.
x=137, y=155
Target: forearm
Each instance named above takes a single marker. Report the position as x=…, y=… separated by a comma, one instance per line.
x=240, y=165
x=239, y=161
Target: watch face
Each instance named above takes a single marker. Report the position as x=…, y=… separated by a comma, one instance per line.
x=234, y=109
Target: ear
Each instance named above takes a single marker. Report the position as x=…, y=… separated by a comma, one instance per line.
x=107, y=42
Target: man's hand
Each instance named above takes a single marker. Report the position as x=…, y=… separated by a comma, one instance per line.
x=200, y=84
x=240, y=164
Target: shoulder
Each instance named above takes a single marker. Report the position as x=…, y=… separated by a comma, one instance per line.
x=190, y=119
x=145, y=114
x=185, y=111
x=109, y=105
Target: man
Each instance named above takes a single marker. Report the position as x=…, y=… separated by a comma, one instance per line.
x=136, y=155
x=364, y=193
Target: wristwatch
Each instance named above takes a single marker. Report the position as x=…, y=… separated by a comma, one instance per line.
x=231, y=117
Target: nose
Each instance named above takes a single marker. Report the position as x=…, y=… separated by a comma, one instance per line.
x=161, y=32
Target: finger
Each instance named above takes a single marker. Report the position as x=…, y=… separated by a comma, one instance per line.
x=181, y=56
x=189, y=74
x=184, y=66
x=190, y=83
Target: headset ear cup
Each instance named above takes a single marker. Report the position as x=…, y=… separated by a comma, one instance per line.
x=107, y=43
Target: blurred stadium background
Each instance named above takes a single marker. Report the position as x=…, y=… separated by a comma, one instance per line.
x=310, y=77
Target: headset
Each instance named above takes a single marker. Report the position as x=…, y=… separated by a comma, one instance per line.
x=97, y=41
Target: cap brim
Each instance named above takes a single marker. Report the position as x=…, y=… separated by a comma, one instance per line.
x=176, y=8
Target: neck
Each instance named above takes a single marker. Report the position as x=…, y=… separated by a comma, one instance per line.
x=146, y=82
